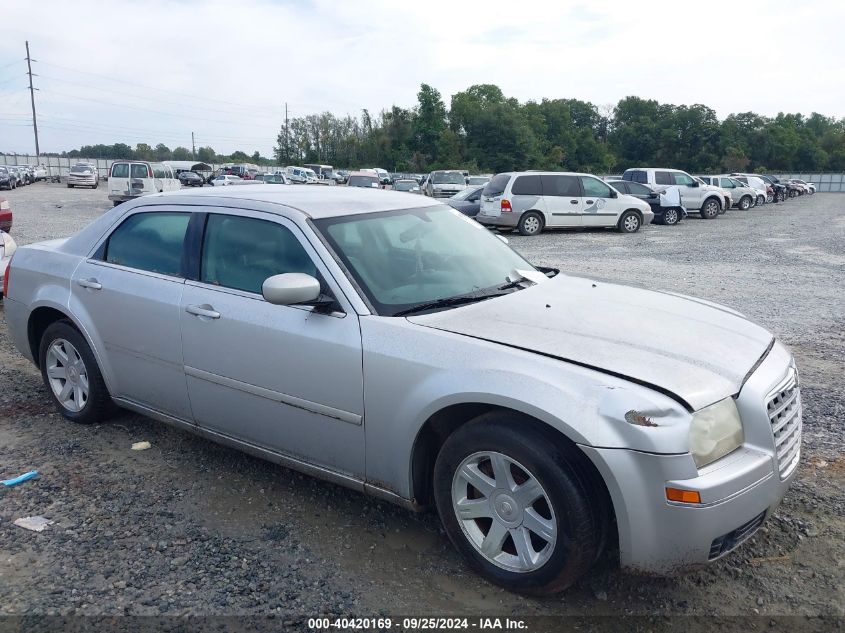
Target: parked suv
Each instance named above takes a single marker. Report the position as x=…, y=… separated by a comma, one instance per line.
x=444, y=183
x=532, y=201
x=705, y=199
x=744, y=197
x=83, y=175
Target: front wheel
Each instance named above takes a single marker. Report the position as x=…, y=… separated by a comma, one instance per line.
x=71, y=374
x=530, y=223
x=629, y=222
x=710, y=209
x=671, y=217
x=761, y=200
x=70, y=186
x=745, y=203
x=522, y=510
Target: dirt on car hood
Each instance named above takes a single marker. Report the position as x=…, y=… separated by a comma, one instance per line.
x=697, y=351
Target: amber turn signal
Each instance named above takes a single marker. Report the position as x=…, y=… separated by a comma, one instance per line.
x=683, y=496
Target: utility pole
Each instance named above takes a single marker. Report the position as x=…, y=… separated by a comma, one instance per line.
x=287, y=146
x=193, y=148
x=32, y=98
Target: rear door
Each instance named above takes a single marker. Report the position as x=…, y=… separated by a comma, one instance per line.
x=130, y=292
x=119, y=180
x=527, y=195
x=563, y=199
x=141, y=179
x=491, y=195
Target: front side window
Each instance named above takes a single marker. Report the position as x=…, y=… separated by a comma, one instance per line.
x=150, y=241
x=555, y=185
x=595, y=188
x=727, y=183
x=241, y=253
x=681, y=179
x=527, y=186
x=409, y=257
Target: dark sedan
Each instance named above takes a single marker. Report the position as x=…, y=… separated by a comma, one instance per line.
x=669, y=215
x=7, y=179
x=467, y=201
x=191, y=179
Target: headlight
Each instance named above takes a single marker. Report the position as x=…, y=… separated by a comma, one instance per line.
x=714, y=432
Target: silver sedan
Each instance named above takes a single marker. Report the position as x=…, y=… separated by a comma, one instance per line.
x=390, y=344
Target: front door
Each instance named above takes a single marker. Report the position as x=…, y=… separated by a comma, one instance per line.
x=599, y=203
x=130, y=292
x=564, y=204
x=284, y=378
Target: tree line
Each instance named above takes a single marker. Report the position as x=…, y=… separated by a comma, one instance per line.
x=482, y=130
x=485, y=131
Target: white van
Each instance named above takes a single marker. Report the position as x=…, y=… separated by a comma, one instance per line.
x=129, y=179
x=532, y=201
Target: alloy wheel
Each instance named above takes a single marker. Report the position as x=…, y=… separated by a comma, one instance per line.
x=67, y=375
x=670, y=216
x=504, y=511
x=631, y=223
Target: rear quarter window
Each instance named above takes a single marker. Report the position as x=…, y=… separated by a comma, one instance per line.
x=527, y=186
x=139, y=170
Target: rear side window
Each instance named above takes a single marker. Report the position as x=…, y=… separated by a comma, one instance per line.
x=139, y=170
x=120, y=170
x=496, y=186
x=567, y=186
x=241, y=253
x=635, y=175
x=638, y=189
x=150, y=241
x=663, y=178
x=527, y=186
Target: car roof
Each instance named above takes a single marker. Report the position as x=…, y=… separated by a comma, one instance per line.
x=654, y=168
x=312, y=201
x=368, y=174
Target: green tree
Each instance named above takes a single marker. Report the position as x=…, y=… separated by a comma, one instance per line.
x=429, y=122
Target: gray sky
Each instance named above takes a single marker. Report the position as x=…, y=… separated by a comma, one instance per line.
x=156, y=71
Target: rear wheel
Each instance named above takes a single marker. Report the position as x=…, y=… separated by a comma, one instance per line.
x=710, y=209
x=530, y=223
x=523, y=510
x=745, y=203
x=630, y=222
x=71, y=375
x=69, y=186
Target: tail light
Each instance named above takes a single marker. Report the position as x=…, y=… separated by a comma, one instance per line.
x=6, y=275
x=506, y=206
x=5, y=206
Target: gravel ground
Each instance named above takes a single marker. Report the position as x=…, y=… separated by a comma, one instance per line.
x=190, y=527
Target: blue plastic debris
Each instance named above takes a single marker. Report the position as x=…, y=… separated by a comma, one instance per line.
x=32, y=474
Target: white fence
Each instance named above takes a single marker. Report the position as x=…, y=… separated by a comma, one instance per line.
x=60, y=166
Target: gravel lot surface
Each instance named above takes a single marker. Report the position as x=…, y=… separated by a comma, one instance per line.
x=189, y=527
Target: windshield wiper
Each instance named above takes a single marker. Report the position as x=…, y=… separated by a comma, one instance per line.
x=449, y=302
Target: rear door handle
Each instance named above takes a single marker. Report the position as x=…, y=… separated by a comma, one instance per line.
x=573, y=202
x=204, y=310
x=92, y=284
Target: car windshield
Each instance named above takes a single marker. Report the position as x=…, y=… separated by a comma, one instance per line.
x=80, y=169
x=448, y=178
x=406, y=258
x=363, y=181
x=405, y=185
x=478, y=180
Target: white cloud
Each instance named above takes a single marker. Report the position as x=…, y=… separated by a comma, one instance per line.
x=224, y=69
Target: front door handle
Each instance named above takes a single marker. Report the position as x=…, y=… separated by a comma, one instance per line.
x=590, y=201
x=204, y=310
x=91, y=284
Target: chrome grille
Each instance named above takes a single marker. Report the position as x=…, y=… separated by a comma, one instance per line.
x=784, y=409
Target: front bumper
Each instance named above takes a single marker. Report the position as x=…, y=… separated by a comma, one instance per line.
x=738, y=492
x=85, y=181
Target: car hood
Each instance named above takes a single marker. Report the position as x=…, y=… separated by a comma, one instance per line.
x=697, y=351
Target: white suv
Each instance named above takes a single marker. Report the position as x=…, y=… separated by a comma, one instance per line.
x=705, y=199
x=532, y=201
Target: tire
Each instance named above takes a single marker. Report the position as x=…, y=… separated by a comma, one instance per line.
x=80, y=368
x=630, y=222
x=530, y=223
x=770, y=197
x=69, y=186
x=745, y=203
x=96, y=184
x=671, y=217
x=115, y=203
x=565, y=504
x=761, y=200
x=710, y=209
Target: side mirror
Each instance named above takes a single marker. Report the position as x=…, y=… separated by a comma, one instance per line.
x=694, y=183
x=614, y=193
x=290, y=288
